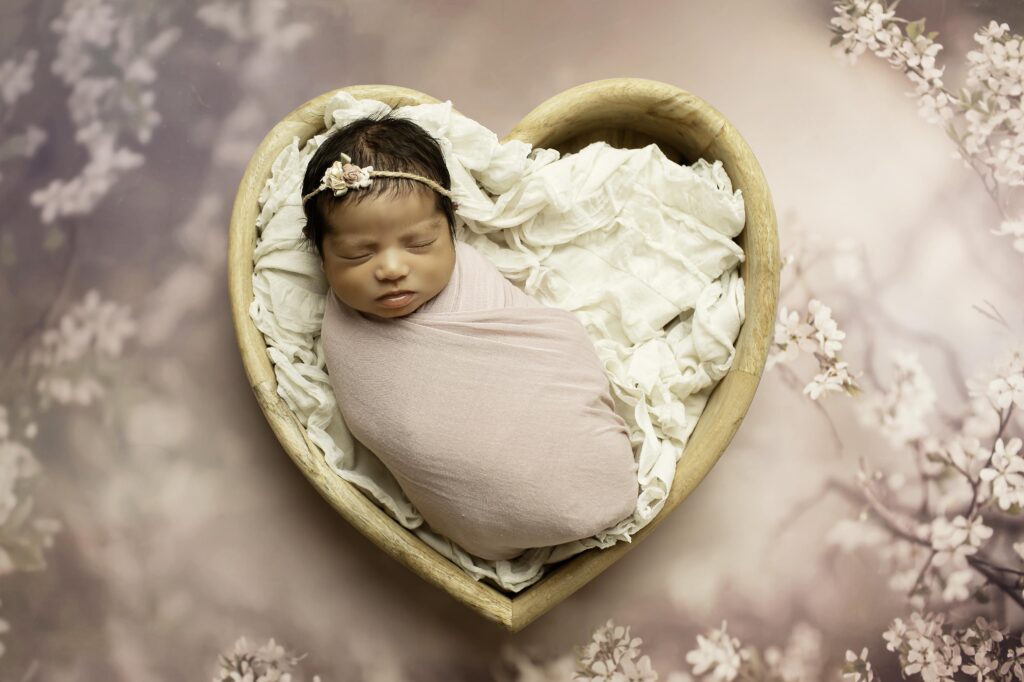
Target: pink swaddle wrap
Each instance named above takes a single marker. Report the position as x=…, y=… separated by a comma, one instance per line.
x=491, y=410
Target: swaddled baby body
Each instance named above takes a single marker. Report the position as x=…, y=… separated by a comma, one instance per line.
x=491, y=410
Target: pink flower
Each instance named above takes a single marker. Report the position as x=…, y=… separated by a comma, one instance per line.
x=342, y=176
x=354, y=176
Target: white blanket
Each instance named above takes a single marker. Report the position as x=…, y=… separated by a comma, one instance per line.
x=639, y=248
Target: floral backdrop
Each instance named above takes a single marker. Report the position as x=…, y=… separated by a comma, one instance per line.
x=865, y=523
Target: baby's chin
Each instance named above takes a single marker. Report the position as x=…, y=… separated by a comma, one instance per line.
x=385, y=314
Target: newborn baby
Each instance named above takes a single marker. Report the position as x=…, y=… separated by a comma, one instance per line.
x=491, y=410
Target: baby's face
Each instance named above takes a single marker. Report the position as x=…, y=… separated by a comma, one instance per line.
x=381, y=245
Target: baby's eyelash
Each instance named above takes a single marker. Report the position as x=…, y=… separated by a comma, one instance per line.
x=414, y=246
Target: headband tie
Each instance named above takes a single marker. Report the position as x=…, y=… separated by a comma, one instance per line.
x=343, y=176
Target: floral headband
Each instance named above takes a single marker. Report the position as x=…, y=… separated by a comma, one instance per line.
x=343, y=176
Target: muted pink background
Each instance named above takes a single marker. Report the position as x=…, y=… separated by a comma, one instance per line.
x=186, y=525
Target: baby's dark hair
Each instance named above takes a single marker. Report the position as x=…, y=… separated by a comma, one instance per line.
x=386, y=142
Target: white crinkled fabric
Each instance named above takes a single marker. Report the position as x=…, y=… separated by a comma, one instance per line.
x=638, y=247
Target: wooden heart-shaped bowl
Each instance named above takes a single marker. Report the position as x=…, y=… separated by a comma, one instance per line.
x=624, y=112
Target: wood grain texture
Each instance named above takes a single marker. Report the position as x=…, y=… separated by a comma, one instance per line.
x=624, y=112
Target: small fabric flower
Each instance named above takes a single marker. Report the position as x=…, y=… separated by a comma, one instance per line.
x=342, y=176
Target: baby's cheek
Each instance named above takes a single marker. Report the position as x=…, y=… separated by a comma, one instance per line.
x=340, y=278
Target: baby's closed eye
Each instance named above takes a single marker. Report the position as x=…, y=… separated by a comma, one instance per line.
x=411, y=246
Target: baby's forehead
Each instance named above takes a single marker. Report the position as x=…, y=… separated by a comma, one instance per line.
x=382, y=217
x=412, y=207
x=352, y=227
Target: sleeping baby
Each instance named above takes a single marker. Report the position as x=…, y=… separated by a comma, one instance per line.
x=491, y=410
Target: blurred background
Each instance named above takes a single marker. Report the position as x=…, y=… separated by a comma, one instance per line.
x=150, y=517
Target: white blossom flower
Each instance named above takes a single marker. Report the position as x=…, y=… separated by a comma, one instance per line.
x=934, y=107
x=1014, y=661
x=82, y=194
x=792, y=335
x=256, y=20
x=90, y=325
x=1013, y=228
x=1006, y=473
x=87, y=22
x=70, y=391
x=85, y=106
x=957, y=539
x=612, y=655
x=957, y=583
x=17, y=463
x=966, y=453
x=928, y=647
x=802, y=658
x=994, y=81
x=102, y=57
x=1004, y=391
x=979, y=642
x=90, y=329
x=827, y=333
x=816, y=333
x=900, y=412
x=25, y=536
x=857, y=667
x=16, y=77
x=834, y=379
x=110, y=322
x=249, y=663
x=931, y=654
x=718, y=652
x=791, y=329
x=895, y=634
x=859, y=26
x=986, y=119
